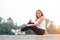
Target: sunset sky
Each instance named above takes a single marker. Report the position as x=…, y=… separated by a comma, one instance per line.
x=23, y=10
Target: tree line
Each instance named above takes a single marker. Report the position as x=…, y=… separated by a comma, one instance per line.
x=6, y=26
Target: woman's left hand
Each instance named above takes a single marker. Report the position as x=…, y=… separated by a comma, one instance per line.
x=27, y=24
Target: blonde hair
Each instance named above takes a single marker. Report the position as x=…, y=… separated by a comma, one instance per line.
x=40, y=12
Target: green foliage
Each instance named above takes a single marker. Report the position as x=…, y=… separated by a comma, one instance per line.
x=51, y=28
x=5, y=27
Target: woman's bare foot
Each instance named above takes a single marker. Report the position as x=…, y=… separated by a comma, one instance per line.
x=18, y=30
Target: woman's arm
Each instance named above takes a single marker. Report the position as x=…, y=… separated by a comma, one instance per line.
x=38, y=23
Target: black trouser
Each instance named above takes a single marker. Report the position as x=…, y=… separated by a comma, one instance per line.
x=38, y=31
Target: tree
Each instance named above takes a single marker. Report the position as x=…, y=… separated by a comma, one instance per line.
x=1, y=24
x=1, y=19
x=9, y=20
x=51, y=29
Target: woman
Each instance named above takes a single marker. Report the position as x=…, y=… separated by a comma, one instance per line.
x=38, y=27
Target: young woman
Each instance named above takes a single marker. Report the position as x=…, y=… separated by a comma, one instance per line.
x=38, y=27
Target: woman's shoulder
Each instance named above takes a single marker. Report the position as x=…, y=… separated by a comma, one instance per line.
x=42, y=17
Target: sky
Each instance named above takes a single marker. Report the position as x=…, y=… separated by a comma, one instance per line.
x=21, y=11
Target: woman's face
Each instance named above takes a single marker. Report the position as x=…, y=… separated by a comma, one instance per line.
x=38, y=14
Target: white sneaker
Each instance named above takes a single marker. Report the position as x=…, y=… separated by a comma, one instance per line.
x=16, y=33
